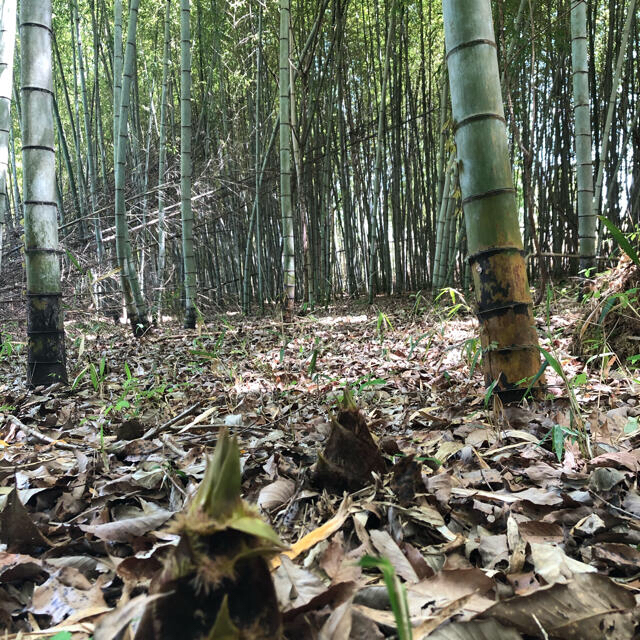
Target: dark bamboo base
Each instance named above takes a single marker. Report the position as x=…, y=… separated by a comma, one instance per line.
x=46, y=359
x=190, y=319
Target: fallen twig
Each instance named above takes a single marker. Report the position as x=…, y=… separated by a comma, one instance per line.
x=40, y=436
x=152, y=432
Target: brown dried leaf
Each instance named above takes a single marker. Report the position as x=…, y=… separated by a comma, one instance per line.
x=124, y=530
x=66, y=592
x=589, y=606
x=276, y=494
x=17, y=529
x=386, y=546
x=554, y=565
x=475, y=630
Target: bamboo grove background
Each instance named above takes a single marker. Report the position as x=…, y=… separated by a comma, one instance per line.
x=363, y=140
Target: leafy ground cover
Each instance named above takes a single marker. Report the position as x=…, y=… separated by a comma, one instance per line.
x=495, y=521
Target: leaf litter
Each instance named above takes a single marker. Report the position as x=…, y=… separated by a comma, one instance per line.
x=495, y=522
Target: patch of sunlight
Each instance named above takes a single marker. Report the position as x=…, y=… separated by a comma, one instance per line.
x=331, y=320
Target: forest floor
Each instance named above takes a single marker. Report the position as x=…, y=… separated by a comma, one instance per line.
x=496, y=521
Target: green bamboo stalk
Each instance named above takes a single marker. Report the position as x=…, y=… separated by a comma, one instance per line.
x=136, y=307
x=78, y=180
x=255, y=213
x=345, y=188
x=457, y=247
x=300, y=191
x=504, y=306
x=254, y=220
x=145, y=197
x=440, y=224
x=62, y=140
x=102, y=155
x=373, y=222
x=286, y=201
x=442, y=138
x=7, y=46
x=74, y=116
x=117, y=70
x=91, y=159
x=615, y=84
x=584, y=167
x=162, y=163
x=14, y=170
x=325, y=201
x=46, y=360
x=259, y=179
x=186, y=166
x=449, y=228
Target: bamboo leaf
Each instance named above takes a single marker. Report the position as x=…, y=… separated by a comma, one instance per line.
x=557, y=438
x=489, y=391
x=608, y=305
x=555, y=365
x=74, y=261
x=621, y=239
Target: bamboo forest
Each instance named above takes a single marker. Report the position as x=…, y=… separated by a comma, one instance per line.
x=319, y=319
